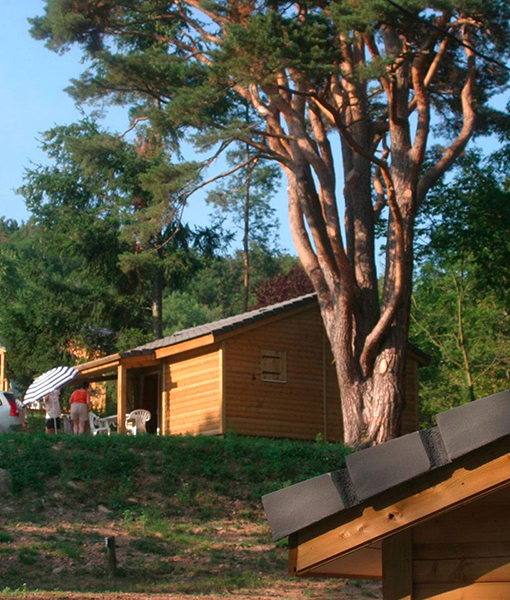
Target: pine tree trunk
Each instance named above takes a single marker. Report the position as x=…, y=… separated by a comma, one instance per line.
x=157, y=305
x=372, y=405
x=246, y=233
x=246, y=250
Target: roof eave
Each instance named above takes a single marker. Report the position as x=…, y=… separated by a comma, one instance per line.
x=466, y=479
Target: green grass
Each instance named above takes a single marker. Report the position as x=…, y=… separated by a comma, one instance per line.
x=186, y=511
x=191, y=472
x=5, y=538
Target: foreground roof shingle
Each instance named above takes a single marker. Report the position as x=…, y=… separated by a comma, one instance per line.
x=375, y=470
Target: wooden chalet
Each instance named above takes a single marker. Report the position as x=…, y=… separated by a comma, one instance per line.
x=428, y=513
x=267, y=372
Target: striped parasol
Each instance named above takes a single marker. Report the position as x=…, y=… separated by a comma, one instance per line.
x=48, y=382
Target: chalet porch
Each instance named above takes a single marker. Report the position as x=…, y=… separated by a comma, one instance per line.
x=139, y=386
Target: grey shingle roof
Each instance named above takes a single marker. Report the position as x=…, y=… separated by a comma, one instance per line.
x=224, y=325
x=374, y=470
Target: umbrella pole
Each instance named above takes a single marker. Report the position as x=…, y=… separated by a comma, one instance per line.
x=55, y=424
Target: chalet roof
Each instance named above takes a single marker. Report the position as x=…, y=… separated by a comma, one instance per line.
x=238, y=321
x=224, y=325
x=216, y=328
x=375, y=470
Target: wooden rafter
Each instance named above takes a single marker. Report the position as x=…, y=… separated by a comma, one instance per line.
x=441, y=490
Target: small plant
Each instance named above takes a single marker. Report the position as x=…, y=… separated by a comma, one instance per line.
x=28, y=555
x=129, y=516
x=5, y=538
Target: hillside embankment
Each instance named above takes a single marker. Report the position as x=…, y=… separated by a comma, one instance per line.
x=185, y=513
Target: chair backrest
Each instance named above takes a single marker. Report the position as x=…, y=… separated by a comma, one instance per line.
x=68, y=424
x=135, y=421
x=92, y=420
x=140, y=414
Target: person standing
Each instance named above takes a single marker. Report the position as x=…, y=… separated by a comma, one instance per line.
x=79, y=403
x=53, y=412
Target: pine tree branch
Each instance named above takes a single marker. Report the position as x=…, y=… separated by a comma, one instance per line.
x=468, y=125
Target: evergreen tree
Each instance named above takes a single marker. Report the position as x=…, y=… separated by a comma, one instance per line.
x=132, y=191
x=54, y=303
x=373, y=73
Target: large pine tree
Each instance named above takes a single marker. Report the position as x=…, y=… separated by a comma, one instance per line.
x=340, y=91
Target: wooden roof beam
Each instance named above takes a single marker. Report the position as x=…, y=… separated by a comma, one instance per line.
x=467, y=478
x=185, y=346
x=99, y=369
x=98, y=362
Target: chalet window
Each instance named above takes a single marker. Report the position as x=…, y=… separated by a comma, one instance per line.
x=274, y=366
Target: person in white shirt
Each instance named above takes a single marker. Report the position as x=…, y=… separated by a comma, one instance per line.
x=53, y=412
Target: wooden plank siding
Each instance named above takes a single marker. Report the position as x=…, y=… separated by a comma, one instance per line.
x=192, y=382
x=293, y=409
x=465, y=554
x=308, y=403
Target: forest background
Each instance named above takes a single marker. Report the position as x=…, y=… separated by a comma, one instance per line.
x=61, y=290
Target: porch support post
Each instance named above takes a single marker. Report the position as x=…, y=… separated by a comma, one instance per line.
x=397, y=566
x=163, y=399
x=3, y=387
x=121, y=398
x=223, y=408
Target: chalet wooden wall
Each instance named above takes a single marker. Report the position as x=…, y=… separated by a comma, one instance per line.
x=464, y=554
x=192, y=382
x=306, y=405
x=220, y=387
x=293, y=409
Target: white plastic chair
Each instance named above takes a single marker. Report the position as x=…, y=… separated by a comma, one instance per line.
x=135, y=421
x=98, y=425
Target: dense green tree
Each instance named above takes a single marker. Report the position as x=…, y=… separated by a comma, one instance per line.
x=181, y=311
x=130, y=191
x=52, y=304
x=375, y=74
x=246, y=196
x=81, y=273
x=460, y=304
x=7, y=228
x=467, y=334
x=207, y=295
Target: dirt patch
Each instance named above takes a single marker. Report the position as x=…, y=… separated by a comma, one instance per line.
x=181, y=531
x=168, y=558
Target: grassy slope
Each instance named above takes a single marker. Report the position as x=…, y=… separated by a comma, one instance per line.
x=185, y=511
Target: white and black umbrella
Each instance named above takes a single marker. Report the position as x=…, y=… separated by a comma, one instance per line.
x=49, y=382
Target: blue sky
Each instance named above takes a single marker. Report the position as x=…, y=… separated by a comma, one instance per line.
x=32, y=80
x=32, y=100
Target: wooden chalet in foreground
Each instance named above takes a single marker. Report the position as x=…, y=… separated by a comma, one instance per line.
x=428, y=513
x=267, y=372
